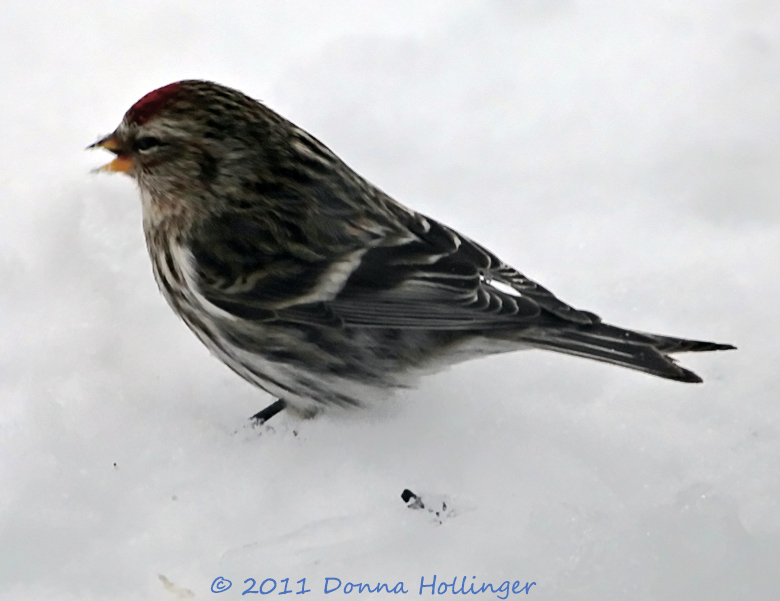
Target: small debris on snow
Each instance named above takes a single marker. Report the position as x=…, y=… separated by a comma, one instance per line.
x=438, y=506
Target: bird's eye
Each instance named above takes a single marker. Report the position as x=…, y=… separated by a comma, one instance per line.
x=146, y=143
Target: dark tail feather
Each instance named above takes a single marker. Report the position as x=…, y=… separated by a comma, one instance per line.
x=635, y=350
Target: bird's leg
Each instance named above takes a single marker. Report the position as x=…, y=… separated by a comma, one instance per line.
x=263, y=416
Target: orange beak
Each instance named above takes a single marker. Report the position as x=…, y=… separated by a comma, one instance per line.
x=121, y=164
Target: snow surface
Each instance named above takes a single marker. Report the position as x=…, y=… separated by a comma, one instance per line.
x=625, y=154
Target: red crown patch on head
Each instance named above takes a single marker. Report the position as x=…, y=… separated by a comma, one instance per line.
x=144, y=109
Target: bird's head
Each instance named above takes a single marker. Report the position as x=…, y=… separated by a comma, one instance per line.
x=191, y=143
x=147, y=136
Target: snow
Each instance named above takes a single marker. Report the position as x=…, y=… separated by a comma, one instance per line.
x=623, y=154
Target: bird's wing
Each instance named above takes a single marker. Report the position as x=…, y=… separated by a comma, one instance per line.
x=426, y=276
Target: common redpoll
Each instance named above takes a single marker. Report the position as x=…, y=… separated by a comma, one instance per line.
x=313, y=284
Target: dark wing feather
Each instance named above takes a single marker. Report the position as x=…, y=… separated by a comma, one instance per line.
x=425, y=276
x=431, y=279
x=242, y=268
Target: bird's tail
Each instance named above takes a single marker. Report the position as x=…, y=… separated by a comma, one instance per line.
x=636, y=350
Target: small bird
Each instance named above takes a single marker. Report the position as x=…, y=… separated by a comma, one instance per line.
x=313, y=284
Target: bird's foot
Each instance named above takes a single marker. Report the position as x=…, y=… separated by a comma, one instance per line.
x=263, y=416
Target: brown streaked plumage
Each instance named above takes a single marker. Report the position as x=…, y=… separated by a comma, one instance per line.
x=313, y=284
